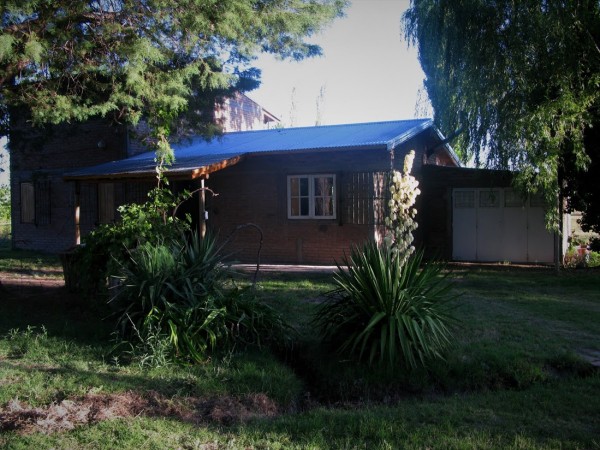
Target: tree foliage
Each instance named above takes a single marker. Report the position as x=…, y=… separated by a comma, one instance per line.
x=4, y=204
x=68, y=61
x=521, y=80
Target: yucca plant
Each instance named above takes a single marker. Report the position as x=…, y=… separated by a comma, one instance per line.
x=387, y=312
x=173, y=287
x=179, y=291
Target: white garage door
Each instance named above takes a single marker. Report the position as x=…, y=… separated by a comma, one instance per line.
x=497, y=225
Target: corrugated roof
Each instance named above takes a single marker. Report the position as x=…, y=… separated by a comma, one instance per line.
x=201, y=156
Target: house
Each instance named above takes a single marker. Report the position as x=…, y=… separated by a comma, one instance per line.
x=42, y=202
x=312, y=191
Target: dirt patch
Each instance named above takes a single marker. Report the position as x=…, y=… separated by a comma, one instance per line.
x=93, y=408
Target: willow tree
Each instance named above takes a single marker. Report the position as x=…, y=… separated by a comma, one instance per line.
x=520, y=81
x=65, y=61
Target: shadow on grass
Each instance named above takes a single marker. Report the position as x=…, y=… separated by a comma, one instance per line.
x=47, y=303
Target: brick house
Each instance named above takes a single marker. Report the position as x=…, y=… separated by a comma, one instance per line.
x=313, y=191
x=43, y=204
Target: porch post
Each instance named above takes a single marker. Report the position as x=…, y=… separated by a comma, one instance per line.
x=77, y=213
x=202, y=209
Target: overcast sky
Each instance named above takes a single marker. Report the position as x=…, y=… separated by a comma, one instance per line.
x=367, y=72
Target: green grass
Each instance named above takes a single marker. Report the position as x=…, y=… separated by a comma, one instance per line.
x=16, y=263
x=514, y=379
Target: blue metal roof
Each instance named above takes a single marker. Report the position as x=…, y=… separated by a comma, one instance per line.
x=198, y=153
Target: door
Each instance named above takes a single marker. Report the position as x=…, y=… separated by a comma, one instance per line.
x=499, y=225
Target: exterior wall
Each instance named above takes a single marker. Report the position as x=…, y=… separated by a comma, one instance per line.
x=255, y=191
x=45, y=155
x=240, y=113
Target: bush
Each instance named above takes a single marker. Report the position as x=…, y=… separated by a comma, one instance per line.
x=107, y=248
x=387, y=312
x=594, y=259
x=177, y=292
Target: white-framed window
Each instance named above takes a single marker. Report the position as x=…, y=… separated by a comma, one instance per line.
x=311, y=196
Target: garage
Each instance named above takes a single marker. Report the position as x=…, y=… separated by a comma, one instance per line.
x=498, y=225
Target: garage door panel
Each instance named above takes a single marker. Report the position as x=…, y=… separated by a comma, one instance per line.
x=464, y=223
x=515, y=227
x=489, y=225
x=540, y=240
x=498, y=225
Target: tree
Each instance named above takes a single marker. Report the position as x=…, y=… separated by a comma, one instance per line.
x=64, y=61
x=4, y=204
x=521, y=81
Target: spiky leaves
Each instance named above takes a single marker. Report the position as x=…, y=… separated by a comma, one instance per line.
x=387, y=312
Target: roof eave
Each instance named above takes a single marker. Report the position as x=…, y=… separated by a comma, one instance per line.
x=177, y=174
x=448, y=147
x=414, y=131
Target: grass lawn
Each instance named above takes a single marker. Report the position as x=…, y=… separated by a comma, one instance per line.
x=515, y=379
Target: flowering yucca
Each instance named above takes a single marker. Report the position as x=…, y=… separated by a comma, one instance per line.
x=400, y=222
x=389, y=306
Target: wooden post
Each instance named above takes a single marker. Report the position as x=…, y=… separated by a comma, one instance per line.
x=77, y=213
x=202, y=209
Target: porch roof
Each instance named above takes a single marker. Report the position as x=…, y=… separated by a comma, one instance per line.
x=196, y=157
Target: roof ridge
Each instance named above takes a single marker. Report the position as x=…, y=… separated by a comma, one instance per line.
x=354, y=124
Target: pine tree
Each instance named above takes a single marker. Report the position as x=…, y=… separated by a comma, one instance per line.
x=65, y=61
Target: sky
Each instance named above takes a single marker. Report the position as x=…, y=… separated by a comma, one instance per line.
x=367, y=72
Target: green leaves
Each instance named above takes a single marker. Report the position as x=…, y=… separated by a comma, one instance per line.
x=386, y=312
x=518, y=78
x=64, y=61
x=176, y=292
x=6, y=46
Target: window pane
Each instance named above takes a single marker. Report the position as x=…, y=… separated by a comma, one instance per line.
x=304, y=187
x=304, y=206
x=294, y=189
x=513, y=199
x=464, y=199
x=324, y=207
x=294, y=206
x=489, y=199
x=537, y=200
x=42, y=202
x=106, y=202
x=323, y=186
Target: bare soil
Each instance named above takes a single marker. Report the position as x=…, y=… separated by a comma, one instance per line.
x=93, y=408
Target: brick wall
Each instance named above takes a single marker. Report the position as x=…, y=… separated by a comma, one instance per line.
x=48, y=153
x=255, y=191
x=45, y=155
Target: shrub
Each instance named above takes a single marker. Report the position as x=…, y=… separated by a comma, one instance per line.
x=107, y=248
x=179, y=291
x=386, y=311
x=594, y=259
